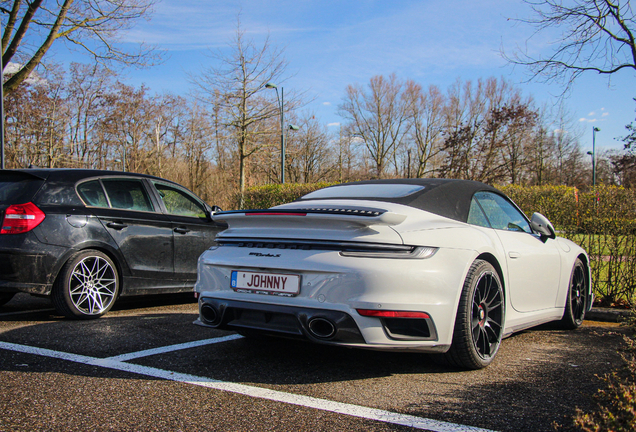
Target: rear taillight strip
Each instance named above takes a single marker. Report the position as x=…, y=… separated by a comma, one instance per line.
x=392, y=314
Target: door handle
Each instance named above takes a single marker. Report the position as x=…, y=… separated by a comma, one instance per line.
x=181, y=230
x=116, y=225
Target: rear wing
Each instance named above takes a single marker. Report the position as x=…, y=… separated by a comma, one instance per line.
x=361, y=216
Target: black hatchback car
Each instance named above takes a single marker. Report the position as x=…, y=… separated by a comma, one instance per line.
x=85, y=237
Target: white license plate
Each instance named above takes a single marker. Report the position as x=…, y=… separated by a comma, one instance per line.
x=265, y=283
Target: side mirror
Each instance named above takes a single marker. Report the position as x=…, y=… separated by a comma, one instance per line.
x=214, y=210
x=542, y=225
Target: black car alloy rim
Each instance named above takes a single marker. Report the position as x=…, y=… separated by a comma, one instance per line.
x=487, y=315
x=577, y=294
x=92, y=285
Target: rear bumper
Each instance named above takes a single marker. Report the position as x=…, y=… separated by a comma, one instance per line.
x=326, y=326
x=317, y=325
x=26, y=265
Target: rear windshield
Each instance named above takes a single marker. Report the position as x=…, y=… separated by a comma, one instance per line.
x=18, y=188
x=365, y=191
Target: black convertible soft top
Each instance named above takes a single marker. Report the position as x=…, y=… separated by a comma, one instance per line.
x=445, y=197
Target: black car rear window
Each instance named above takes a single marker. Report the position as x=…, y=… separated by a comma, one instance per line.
x=17, y=188
x=127, y=194
x=93, y=194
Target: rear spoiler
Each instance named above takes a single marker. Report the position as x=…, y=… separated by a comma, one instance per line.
x=24, y=172
x=363, y=216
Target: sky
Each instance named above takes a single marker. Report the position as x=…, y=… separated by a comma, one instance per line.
x=330, y=44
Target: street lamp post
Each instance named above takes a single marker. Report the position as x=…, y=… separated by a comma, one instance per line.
x=594, y=130
x=282, y=128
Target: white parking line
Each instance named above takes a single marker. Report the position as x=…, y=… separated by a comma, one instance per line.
x=169, y=348
x=251, y=391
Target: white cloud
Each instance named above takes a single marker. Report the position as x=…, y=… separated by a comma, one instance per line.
x=327, y=103
x=33, y=79
x=605, y=114
x=333, y=124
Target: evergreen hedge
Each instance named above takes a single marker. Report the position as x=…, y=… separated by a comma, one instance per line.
x=601, y=220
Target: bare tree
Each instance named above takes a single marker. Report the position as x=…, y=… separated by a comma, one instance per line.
x=518, y=120
x=87, y=89
x=309, y=156
x=597, y=36
x=488, y=130
x=36, y=123
x=91, y=25
x=378, y=116
x=427, y=128
x=128, y=126
x=237, y=87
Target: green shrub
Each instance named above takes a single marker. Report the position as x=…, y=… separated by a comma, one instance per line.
x=602, y=221
x=261, y=197
x=558, y=203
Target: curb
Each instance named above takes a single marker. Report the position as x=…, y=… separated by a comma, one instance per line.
x=608, y=314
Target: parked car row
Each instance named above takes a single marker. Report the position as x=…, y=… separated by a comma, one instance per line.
x=448, y=267
x=86, y=237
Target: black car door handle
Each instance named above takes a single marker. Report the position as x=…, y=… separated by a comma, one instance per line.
x=116, y=225
x=181, y=230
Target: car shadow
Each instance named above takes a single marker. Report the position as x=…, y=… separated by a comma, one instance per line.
x=24, y=307
x=266, y=360
x=255, y=360
x=540, y=372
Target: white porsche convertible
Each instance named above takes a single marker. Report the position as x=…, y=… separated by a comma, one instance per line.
x=432, y=265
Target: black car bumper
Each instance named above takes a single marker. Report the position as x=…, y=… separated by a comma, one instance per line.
x=27, y=265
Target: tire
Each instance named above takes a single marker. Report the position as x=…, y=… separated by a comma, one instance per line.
x=87, y=286
x=576, y=302
x=480, y=317
x=5, y=298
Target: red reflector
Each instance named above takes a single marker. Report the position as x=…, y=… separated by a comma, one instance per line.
x=21, y=218
x=392, y=314
x=275, y=214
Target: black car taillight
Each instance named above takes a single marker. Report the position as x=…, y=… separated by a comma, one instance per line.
x=21, y=218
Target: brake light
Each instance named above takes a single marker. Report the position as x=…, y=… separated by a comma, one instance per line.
x=392, y=314
x=275, y=214
x=21, y=218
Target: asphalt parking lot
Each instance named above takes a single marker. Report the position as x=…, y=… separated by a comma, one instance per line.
x=145, y=366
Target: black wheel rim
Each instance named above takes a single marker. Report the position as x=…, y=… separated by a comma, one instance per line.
x=92, y=285
x=487, y=315
x=578, y=291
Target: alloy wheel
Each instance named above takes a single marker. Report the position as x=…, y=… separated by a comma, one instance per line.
x=487, y=315
x=92, y=285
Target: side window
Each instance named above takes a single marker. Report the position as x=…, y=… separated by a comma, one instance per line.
x=180, y=203
x=92, y=194
x=501, y=213
x=127, y=194
x=476, y=215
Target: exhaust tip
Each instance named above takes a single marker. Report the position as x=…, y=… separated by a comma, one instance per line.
x=209, y=315
x=321, y=328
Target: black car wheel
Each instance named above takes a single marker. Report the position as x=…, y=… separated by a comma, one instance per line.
x=480, y=317
x=576, y=303
x=5, y=298
x=87, y=286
